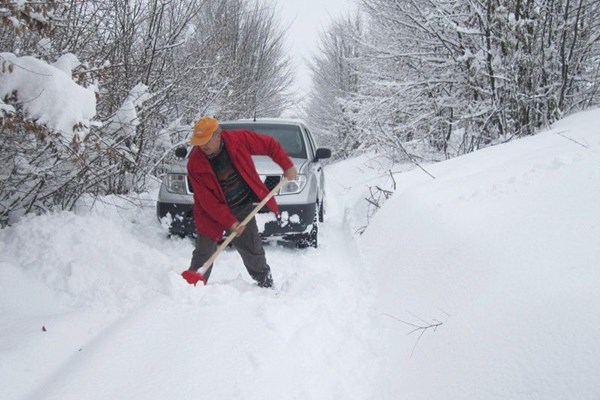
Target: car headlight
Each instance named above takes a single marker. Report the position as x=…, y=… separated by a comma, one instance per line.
x=176, y=183
x=294, y=186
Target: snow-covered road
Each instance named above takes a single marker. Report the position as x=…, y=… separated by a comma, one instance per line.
x=128, y=326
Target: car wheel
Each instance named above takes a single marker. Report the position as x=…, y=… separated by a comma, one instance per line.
x=312, y=239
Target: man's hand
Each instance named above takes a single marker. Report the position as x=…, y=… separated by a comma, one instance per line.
x=290, y=173
x=237, y=228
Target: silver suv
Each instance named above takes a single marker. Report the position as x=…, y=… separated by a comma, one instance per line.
x=300, y=210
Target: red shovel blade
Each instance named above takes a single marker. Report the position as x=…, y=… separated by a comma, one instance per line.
x=192, y=277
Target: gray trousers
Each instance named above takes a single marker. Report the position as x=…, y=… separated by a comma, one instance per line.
x=248, y=245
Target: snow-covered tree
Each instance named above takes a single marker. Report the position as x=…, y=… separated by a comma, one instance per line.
x=254, y=72
x=335, y=108
x=454, y=76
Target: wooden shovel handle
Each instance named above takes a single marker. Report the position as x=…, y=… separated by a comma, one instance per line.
x=233, y=234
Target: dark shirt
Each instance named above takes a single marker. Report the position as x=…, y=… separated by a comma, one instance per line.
x=237, y=191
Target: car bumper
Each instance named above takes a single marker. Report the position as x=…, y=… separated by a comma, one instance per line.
x=181, y=217
x=293, y=222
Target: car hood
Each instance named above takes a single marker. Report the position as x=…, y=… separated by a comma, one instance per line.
x=265, y=166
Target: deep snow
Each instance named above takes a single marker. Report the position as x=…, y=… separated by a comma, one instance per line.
x=501, y=251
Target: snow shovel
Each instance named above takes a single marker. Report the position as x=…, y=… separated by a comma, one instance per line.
x=192, y=277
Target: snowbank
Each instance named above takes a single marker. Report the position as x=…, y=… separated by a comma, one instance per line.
x=503, y=249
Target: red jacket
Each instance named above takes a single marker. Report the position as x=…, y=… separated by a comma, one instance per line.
x=212, y=215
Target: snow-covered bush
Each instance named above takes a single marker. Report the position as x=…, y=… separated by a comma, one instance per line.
x=47, y=95
x=45, y=118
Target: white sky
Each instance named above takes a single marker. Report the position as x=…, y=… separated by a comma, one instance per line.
x=308, y=18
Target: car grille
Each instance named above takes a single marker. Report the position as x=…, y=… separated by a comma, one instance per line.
x=272, y=181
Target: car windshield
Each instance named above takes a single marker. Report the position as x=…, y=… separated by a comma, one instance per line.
x=289, y=136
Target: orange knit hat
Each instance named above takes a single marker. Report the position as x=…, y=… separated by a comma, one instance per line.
x=203, y=130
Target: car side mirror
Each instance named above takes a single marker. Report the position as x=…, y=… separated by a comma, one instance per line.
x=181, y=152
x=323, y=152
